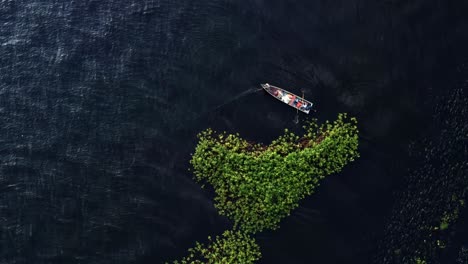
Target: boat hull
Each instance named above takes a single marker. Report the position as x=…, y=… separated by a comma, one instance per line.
x=288, y=98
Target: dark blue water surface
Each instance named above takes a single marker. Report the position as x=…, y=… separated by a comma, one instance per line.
x=101, y=101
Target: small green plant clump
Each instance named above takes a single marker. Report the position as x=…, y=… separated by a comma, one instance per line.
x=258, y=185
x=418, y=260
x=232, y=247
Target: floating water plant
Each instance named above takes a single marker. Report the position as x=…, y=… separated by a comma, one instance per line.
x=258, y=185
x=231, y=247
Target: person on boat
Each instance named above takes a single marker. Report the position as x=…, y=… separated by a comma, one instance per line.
x=298, y=103
x=292, y=99
x=307, y=107
x=286, y=98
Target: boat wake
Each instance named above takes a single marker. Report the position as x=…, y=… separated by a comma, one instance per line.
x=235, y=98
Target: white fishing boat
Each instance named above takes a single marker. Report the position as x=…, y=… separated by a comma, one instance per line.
x=288, y=98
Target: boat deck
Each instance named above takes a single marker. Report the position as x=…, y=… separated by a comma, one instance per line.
x=288, y=98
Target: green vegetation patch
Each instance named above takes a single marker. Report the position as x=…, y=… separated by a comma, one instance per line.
x=258, y=185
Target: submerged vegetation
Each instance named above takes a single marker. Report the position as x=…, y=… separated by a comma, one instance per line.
x=431, y=210
x=258, y=185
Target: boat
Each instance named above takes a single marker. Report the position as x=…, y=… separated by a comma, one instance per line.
x=288, y=98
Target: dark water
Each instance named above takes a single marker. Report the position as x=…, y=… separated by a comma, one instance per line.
x=100, y=102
